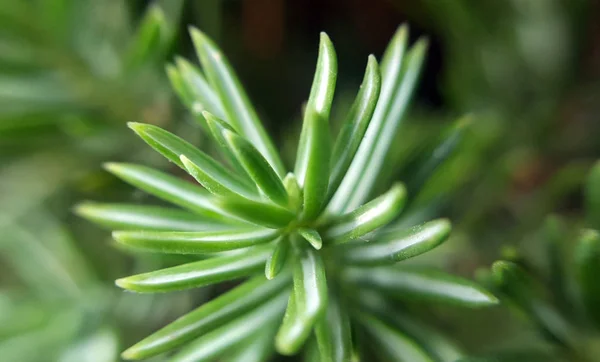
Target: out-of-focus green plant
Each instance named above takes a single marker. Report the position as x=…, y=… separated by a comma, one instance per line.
x=68, y=79
x=328, y=256
x=518, y=66
x=560, y=296
x=67, y=73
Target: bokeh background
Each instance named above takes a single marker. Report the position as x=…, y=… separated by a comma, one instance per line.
x=73, y=72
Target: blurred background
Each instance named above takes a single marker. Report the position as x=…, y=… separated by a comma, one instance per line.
x=73, y=72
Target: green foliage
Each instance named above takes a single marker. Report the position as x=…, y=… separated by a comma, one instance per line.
x=73, y=72
x=69, y=79
x=323, y=247
x=592, y=191
x=57, y=88
x=563, y=301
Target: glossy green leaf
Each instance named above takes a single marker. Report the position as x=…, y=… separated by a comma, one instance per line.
x=277, y=260
x=257, y=212
x=219, y=341
x=393, y=343
x=216, y=127
x=312, y=236
x=209, y=316
x=587, y=261
x=238, y=110
x=195, y=242
x=368, y=217
x=307, y=303
x=333, y=334
x=592, y=196
x=314, y=151
x=355, y=126
x=290, y=329
x=293, y=190
x=214, y=177
x=203, y=97
x=149, y=39
x=136, y=217
x=217, y=185
x=169, y=188
x=198, y=274
x=391, y=75
x=166, y=143
x=421, y=284
x=257, y=168
x=399, y=76
x=433, y=342
x=393, y=247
